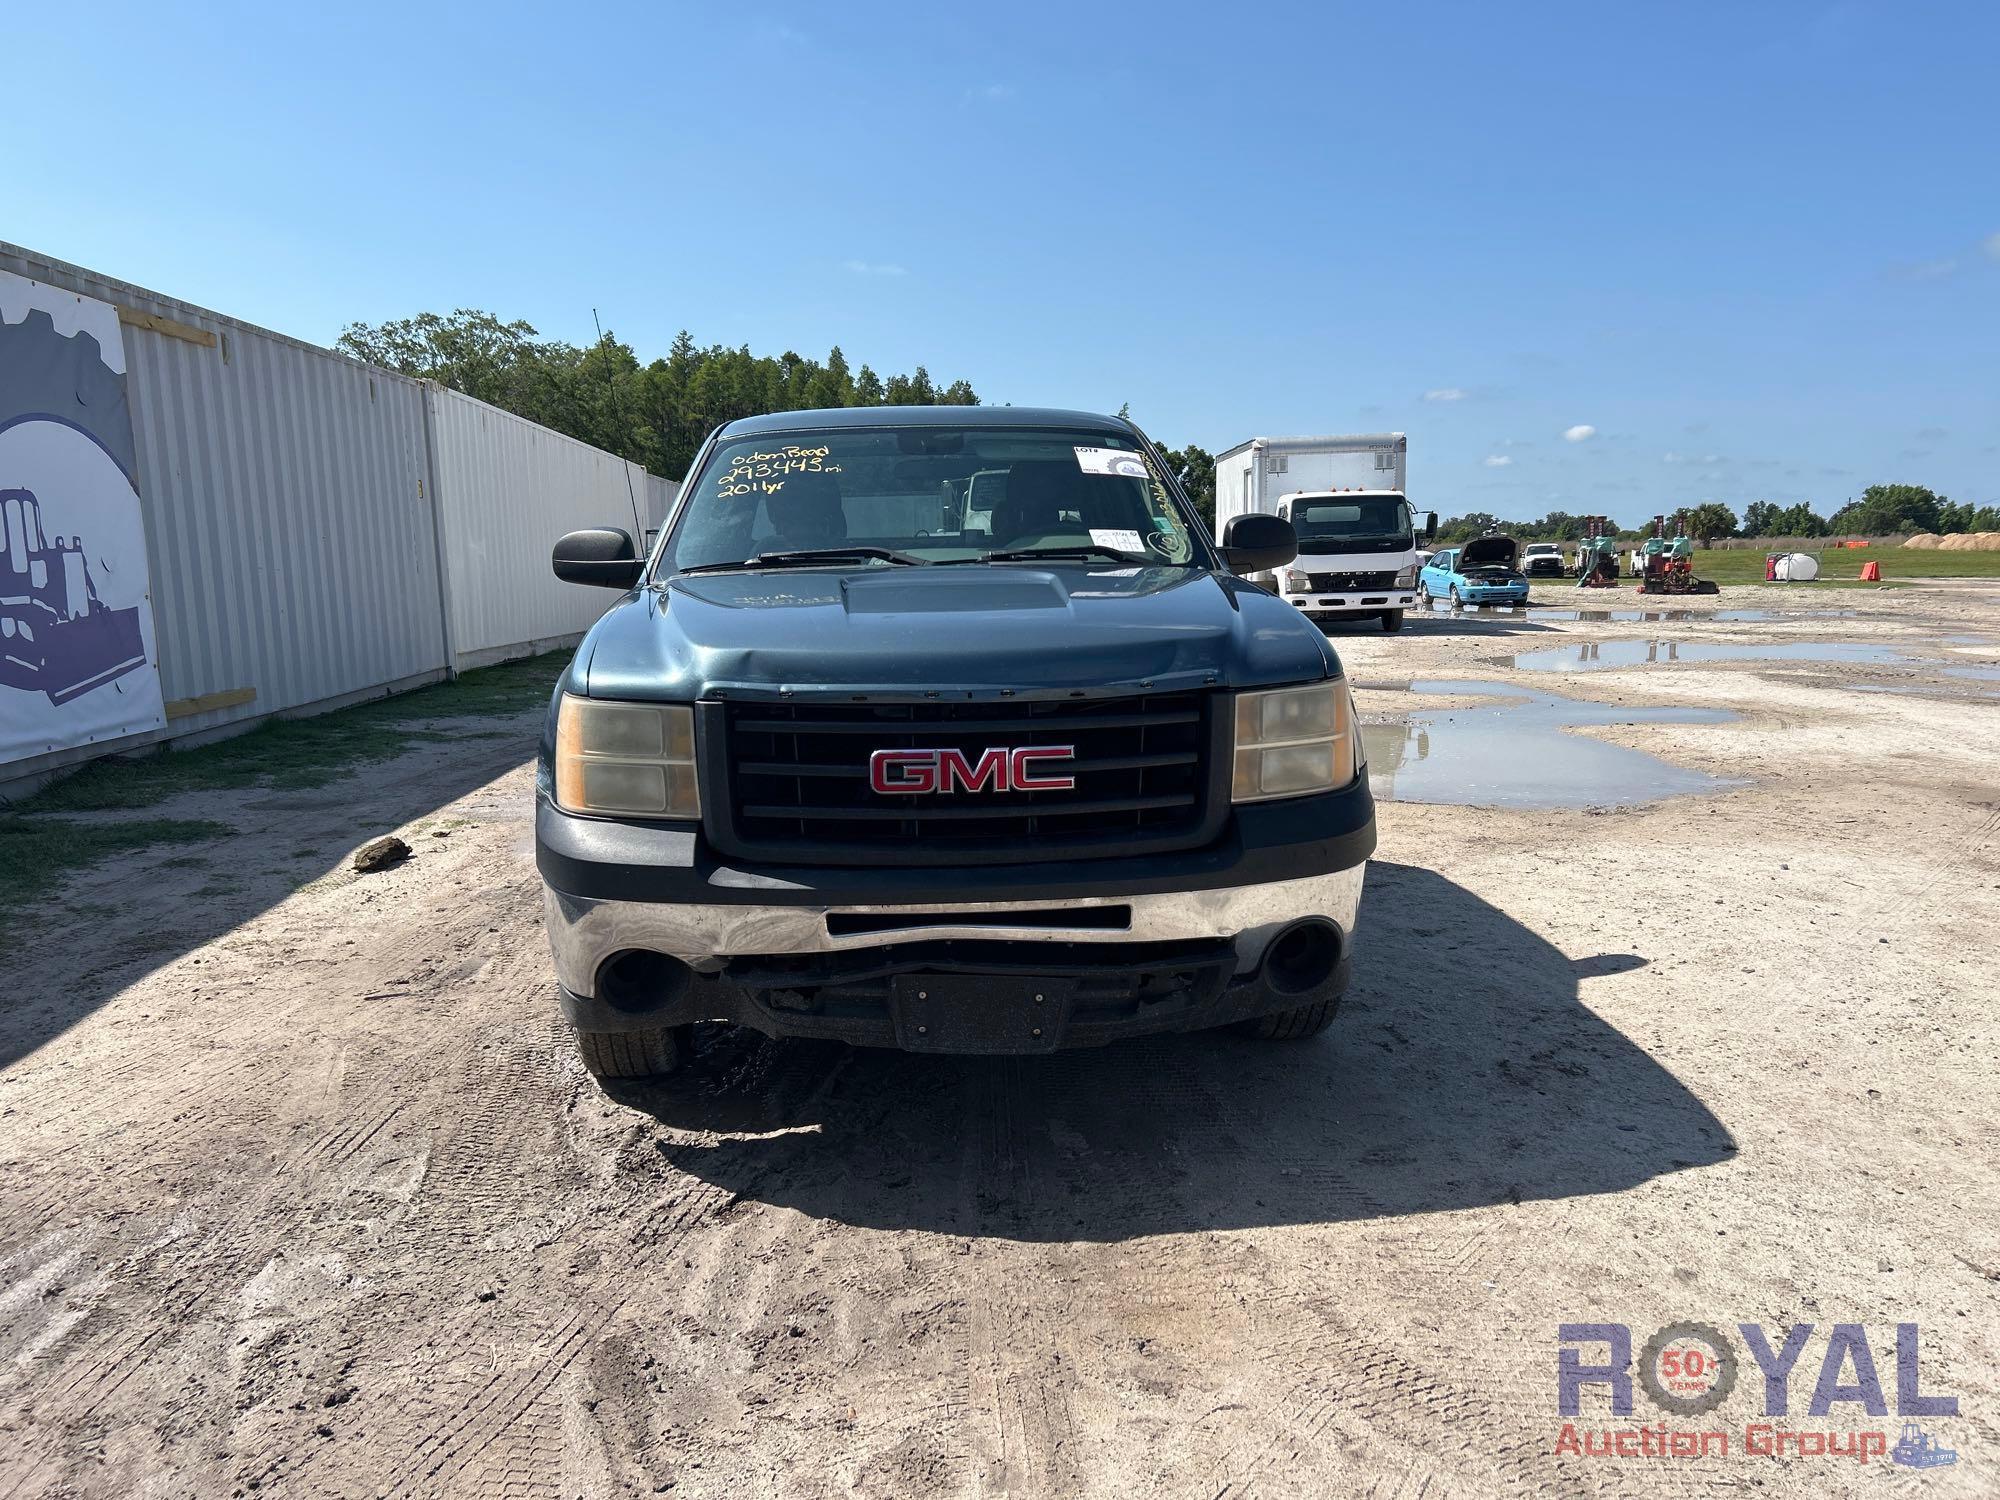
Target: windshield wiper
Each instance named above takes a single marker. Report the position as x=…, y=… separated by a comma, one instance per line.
x=1026, y=554
x=813, y=557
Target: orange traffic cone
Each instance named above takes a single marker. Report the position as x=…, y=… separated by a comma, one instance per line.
x=1871, y=572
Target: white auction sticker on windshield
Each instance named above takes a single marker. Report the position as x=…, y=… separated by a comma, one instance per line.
x=1117, y=541
x=1113, y=461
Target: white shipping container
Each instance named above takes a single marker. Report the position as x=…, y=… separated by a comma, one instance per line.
x=507, y=489
x=290, y=536
x=318, y=530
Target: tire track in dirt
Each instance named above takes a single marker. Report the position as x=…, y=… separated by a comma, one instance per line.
x=223, y=1249
x=489, y=1144
x=450, y=1423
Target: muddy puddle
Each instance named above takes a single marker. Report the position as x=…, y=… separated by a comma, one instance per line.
x=1675, y=616
x=1591, y=655
x=1514, y=751
x=1626, y=616
x=1977, y=674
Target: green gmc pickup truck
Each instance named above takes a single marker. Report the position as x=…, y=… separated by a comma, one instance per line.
x=948, y=729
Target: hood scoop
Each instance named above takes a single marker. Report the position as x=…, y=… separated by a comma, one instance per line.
x=951, y=591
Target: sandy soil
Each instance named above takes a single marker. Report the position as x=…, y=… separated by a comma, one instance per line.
x=303, y=1191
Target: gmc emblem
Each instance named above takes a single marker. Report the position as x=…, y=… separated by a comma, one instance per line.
x=997, y=770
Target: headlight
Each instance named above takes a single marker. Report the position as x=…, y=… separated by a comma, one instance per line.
x=634, y=760
x=1292, y=741
x=1290, y=582
x=1407, y=577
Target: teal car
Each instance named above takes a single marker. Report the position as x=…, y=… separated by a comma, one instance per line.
x=1485, y=570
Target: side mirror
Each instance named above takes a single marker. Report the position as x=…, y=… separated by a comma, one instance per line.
x=602, y=556
x=1430, y=525
x=1258, y=543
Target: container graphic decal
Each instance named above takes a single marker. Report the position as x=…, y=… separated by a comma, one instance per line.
x=78, y=664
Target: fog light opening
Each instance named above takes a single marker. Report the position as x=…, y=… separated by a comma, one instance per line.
x=639, y=980
x=1302, y=957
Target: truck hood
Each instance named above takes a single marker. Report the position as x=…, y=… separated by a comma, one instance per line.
x=1058, y=630
x=1489, y=552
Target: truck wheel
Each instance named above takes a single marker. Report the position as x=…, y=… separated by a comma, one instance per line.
x=1392, y=619
x=1293, y=1025
x=635, y=1054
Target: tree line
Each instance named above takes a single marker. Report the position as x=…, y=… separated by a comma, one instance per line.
x=653, y=414
x=1882, y=510
x=657, y=415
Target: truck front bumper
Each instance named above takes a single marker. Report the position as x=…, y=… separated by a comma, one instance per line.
x=1341, y=606
x=1021, y=958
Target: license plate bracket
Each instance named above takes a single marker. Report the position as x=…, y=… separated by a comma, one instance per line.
x=972, y=1013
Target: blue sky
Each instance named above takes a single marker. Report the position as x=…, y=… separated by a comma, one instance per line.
x=1753, y=249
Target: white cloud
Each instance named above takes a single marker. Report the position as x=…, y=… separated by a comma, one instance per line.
x=874, y=268
x=1496, y=460
x=1445, y=393
x=1991, y=245
x=1583, y=432
x=992, y=93
x=1673, y=458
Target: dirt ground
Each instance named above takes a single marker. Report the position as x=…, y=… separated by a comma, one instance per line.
x=304, y=1192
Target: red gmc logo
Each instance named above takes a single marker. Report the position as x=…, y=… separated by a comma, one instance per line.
x=996, y=770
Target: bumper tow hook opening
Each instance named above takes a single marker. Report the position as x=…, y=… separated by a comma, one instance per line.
x=1302, y=957
x=639, y=980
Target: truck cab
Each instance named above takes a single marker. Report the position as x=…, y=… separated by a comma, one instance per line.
x=1357, y=555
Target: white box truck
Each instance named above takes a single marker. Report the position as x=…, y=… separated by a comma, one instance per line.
x=1344, y=496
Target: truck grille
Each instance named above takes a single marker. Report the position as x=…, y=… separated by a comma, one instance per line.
x=797, y=778
x=1322, y=583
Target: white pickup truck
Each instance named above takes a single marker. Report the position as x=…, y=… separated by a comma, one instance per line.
x=1358, y=537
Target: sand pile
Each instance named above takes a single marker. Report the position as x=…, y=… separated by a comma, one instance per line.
x=1924, y=540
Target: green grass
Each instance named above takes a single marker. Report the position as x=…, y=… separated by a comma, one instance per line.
x=38, y=844
x=294, y=754
x=33, y=851
x=1843, y=565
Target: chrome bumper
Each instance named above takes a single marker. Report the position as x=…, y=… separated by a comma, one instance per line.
x=583, y=932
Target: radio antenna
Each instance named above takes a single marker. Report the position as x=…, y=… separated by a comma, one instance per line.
x=624, y=464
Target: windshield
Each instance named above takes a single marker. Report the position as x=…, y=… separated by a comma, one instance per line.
x=883, y=496
x=1374, y=520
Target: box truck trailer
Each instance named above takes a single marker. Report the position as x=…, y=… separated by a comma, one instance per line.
x=1345, y=498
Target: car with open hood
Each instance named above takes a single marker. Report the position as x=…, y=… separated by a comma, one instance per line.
x=1484, y=570
x=948, y=729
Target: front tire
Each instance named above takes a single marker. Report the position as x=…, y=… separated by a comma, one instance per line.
x=1293, y=1025
x=1456, y=602
x=654, y=1053
x=1392, y=620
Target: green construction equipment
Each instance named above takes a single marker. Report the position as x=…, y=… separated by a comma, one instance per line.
x=1597, y=554
x=1669, y=561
